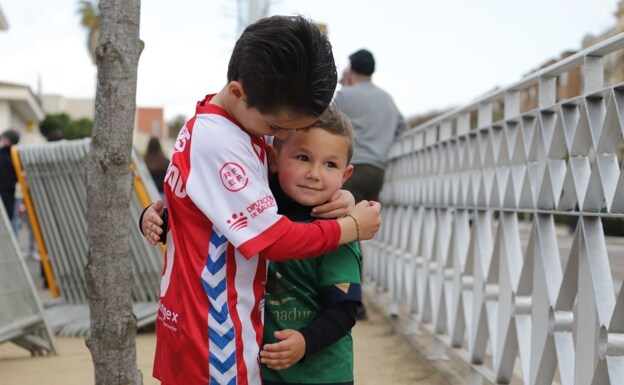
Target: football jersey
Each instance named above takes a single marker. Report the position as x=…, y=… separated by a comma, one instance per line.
x=221, y=215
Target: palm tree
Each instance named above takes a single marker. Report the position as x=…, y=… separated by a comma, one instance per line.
x=89, y=11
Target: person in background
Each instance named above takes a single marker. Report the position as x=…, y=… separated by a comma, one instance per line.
x=376, y=123
x=8, y=178
x=156, y=163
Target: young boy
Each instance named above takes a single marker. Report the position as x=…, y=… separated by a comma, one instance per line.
x=311, y=303
x=223, y=221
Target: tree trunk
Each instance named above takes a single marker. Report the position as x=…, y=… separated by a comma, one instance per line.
x=109, y=269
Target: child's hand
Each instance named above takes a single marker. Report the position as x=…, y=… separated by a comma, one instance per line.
x=339, y=205
x=285, y=353
x=150, y=225
x=367, y=215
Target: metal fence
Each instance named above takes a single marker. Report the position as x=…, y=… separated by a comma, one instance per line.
x=472, y=251
x=54, y=181
x=22, y=318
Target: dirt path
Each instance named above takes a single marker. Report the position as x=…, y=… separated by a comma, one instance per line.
x=381, y=358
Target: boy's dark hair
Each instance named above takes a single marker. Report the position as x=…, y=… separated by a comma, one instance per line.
x=332, y=121
x=285, y=62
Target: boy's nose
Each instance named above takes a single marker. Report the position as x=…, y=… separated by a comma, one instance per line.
x=313, y=172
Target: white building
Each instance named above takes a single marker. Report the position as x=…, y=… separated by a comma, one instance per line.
x=19, y=107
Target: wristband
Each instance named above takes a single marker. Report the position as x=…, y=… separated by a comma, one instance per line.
x=357, y=227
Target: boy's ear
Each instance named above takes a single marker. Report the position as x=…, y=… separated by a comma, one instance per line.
x=235, y=90
x=272, y=158
x=347, y=174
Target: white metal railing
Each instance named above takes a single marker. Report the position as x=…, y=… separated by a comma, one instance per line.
x=471, y=250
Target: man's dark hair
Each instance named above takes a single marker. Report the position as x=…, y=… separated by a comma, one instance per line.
x=362, y=62
x=285, y=62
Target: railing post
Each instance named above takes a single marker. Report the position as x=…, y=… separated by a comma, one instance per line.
x=546, y=91
x=593, y=76
x=512, y=104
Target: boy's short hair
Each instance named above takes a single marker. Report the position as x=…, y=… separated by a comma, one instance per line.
x=284, y=62
x=332, y=121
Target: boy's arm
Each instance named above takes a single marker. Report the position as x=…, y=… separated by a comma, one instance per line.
x=296, y=241
x=338, y=316
x=329, y=326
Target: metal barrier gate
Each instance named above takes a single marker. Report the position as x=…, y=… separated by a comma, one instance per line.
x=22, y=319
x=470, y=252
x=53, y=181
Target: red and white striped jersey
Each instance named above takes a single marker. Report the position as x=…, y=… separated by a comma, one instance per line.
x=222, y=222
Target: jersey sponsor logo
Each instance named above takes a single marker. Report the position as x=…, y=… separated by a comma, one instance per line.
x=259, y=206
x=167, y=317
x=233, y=176
x=294, y=314
x=174, y=179
x=237, y=222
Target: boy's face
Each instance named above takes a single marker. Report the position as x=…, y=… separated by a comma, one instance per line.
x=311, y=165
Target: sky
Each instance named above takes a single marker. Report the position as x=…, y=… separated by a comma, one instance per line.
x=430, y=55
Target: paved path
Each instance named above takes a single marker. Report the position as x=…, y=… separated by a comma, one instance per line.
x=382, y=357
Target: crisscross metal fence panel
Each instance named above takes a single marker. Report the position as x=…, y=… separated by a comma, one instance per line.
x=472, y=250
x=22, y=318
x=55, y=175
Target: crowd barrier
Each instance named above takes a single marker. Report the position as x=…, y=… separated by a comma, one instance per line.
x=52, y=176
x=22, y=319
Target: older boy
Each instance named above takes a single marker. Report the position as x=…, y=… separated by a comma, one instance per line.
x=223, y=221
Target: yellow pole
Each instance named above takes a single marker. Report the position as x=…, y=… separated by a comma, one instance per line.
x=34, y=223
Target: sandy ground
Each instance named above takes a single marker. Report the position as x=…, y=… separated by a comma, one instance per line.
x=381, y=357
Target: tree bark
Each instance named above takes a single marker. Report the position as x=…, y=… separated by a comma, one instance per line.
x=109, y=269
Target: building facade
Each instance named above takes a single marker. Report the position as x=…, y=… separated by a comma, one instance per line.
x=148, y=122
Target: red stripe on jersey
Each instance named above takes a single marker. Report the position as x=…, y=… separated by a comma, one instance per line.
x=257, y=317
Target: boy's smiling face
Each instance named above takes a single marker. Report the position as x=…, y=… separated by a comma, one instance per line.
x=311, y=165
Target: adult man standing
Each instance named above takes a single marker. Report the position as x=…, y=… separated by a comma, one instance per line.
x=376, y=122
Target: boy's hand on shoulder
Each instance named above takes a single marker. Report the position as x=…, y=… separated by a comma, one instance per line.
x=283, y=354
x=339, y=205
